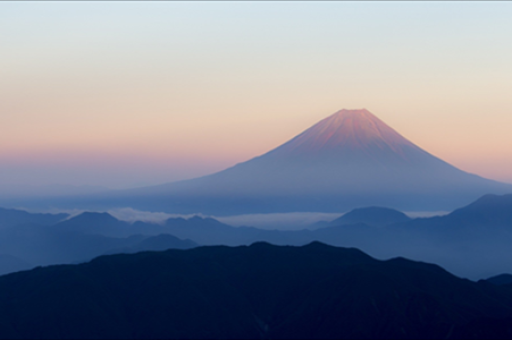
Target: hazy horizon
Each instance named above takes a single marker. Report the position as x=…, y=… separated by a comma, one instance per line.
x=129, y=94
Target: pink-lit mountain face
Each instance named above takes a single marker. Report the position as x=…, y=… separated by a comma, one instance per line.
x=355, y=130
x=350, y=159
x=351, y=135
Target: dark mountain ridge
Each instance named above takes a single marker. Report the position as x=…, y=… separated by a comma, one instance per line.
x=261, y=291
x=500, y=280
x=11, y=264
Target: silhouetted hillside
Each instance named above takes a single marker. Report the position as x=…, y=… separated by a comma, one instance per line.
x=95, y=223
x=500, y=280
x=80, y=239
x=261, y=291
x=156, y=243
x=10, y=264
x=107, y=225
x=89, y=235
x=373, y=216
x=12, y=217
x=43, y=246
x=488, y=210
x=208, y=231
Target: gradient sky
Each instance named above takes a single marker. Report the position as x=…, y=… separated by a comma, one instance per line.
x=125, y=94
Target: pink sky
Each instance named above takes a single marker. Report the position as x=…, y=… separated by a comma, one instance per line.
x=156, y=92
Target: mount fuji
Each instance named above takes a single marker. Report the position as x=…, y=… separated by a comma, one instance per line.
x=348, y=160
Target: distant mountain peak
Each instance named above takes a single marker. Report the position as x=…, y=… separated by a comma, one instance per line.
x=349, y=159
x=93, y=217
x=373, y=216
x=360, y=113
x=348, y=131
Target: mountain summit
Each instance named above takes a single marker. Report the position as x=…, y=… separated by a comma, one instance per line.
x=348, y=160
x=349, y=130
x=352, y=136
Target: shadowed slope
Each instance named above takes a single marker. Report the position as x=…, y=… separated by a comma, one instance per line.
x=13, y=217
x=489, y=209
x=373, y=216
x=261, y=291
x=501, y=280
x=155, y=243
x=10, y=264
x=84, y=237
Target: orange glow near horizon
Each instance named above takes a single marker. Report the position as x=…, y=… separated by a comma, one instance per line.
x=206, y=152
x=166, y=91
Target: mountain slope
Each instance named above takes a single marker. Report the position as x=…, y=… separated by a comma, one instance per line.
x=373, y=216
x=13, y=217
x=261, y=291
x=487, y=210
x=500, y=280
x=155, y=243
x=82, y=238
x=10, y=264
x=95, y=223
x=349, y=160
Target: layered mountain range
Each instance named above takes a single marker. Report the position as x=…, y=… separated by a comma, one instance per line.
x=473, y=241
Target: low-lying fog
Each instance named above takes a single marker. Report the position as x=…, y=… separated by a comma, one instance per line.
x=275, y=221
